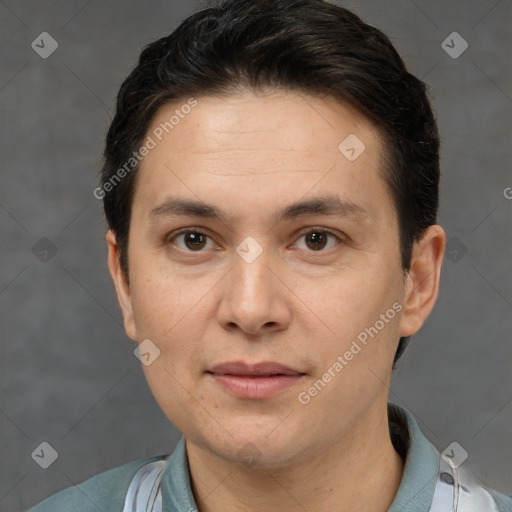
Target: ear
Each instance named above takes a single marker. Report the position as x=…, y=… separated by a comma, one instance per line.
x=122, y=285
x=422, y=283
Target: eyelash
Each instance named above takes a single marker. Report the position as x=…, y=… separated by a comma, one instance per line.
x=323, y=231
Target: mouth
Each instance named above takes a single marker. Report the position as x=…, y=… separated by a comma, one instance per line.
x=254, y=381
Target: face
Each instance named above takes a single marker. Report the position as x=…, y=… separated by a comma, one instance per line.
x=256, y=240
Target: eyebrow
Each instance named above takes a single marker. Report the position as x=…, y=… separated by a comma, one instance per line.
x=331, y=205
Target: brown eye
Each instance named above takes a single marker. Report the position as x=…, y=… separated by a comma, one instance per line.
x=317, y=240
x=195, y=241
x=192, y=241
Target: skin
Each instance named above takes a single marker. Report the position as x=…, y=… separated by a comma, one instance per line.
x=249, y=155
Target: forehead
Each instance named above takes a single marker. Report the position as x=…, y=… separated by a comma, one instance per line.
x=241, y=121
x=267, y=144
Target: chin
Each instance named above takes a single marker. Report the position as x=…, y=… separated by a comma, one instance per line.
x=256, y=448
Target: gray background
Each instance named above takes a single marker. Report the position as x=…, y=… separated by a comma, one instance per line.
x=68, y=375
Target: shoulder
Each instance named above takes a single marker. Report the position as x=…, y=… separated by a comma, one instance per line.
x=105, y=491
x=503, y=501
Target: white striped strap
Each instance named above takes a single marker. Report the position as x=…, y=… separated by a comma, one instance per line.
x=144, y=493
x=458, y=491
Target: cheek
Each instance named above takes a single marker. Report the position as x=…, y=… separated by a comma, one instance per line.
x=360, y=311
x=352, y=301
x=166, y=304
x=170, y=385
x=355, y=359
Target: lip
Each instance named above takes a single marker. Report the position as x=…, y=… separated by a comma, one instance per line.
x=254, y=381
x=264, y=368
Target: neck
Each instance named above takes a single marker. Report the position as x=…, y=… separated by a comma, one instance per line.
x=346, y=476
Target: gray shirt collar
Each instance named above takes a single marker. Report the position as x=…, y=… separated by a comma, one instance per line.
x=415, y=491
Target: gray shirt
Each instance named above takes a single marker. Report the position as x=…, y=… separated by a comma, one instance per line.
x=107, y=491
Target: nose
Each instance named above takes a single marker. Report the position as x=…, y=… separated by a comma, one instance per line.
x=254, y=299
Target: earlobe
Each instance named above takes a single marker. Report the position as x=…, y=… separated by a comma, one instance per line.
x=122, y=285
x=422, y=280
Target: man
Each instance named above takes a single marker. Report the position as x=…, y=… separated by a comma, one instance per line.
x=271, y=187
